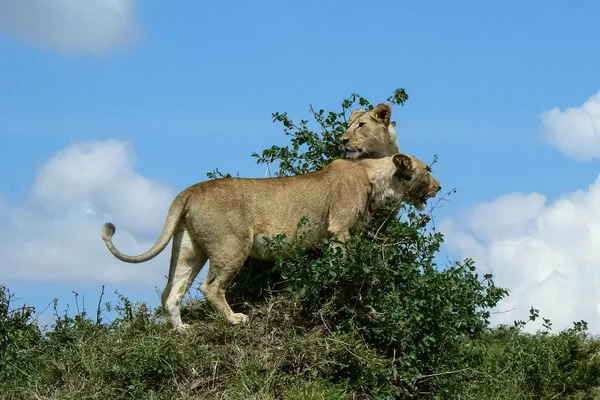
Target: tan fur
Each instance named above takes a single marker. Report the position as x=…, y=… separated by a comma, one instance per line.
x=225, y=220
x=370, y=134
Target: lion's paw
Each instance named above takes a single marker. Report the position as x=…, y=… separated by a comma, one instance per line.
x=181, y=327
x=237, y=318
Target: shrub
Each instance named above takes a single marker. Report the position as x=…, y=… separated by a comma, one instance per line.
x=420, y=319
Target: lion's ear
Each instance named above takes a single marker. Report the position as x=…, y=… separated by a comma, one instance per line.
x=403, y=164
x=355, y=114
x=382, y=112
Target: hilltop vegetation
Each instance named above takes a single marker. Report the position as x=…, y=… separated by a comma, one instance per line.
x=385, y=322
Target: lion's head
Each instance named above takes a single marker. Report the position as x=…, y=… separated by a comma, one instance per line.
x=370, y=134
x=414, y=176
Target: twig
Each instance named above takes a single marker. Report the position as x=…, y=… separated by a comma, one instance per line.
x=441, y=373
x=99, y=310
x=319, y=120
x=325, y=323
x=502, y=312
x=558, y=394
x=173, y=374
x=76, y=301
x=39, y=314
x=214, y=376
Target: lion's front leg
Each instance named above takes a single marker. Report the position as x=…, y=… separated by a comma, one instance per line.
x=344, y=214
x=341, y=236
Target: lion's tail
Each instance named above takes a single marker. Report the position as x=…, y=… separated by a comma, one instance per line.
x=173, y=217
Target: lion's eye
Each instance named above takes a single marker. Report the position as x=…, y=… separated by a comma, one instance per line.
x=361, y=124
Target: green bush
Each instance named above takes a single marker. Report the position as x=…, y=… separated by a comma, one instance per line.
x=388, y=289
x=19, y=338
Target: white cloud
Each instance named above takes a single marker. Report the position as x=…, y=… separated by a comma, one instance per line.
x=55, y=235
x=546, y=254
x=575, y=131
x=71, y=26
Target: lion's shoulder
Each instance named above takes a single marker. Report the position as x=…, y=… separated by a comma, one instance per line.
x=347, y=168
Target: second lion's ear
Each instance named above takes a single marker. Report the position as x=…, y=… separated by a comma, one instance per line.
x=403, y=164
x=355, y=114
x=382, y=112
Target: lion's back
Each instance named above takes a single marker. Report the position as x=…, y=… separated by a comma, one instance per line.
x=276, y=205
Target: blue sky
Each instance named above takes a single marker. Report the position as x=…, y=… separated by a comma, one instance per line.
x=192, y=87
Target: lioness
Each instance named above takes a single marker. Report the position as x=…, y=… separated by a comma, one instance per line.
x=225, y=220
x=370, y=134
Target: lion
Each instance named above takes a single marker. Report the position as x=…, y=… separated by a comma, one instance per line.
x=225, y=220
x=370, y=134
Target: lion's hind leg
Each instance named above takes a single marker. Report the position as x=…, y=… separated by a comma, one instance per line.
x=224, y=266
x=187, y=259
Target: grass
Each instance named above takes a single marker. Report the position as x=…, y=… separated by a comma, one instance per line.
x=137, y=356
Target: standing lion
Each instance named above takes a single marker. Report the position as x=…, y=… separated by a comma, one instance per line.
x=226, y=220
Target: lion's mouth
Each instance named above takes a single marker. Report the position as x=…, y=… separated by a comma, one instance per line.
x=351, y=152
x=423, y=200
x=422, y=203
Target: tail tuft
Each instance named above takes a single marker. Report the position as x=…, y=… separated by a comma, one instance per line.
x=108, y=230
